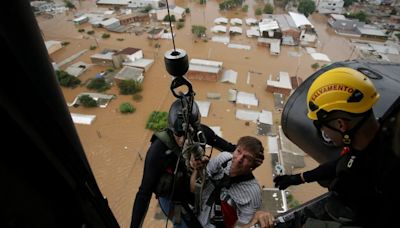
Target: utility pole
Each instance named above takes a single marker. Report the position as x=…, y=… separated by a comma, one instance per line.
x=95, y=39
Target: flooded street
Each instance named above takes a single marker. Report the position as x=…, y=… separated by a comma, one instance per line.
x=116, y=144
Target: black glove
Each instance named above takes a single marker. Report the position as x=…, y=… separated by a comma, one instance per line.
x=284, y=181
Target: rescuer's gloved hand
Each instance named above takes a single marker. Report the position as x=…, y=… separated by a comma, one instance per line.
x=284, y=181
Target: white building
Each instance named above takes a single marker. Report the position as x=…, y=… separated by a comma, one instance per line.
x=267, y=27
x=131, y=54
x=53, y=46
x=219, y=28
x=308, y=35
x=251, y=21
x=113, y=2
x=235, y=30
x=221, y=20
x=110, y=23
x=80, y=20
x=236, y=21
x=77, y=68
x=155, y=4
x=201, y=69
x=176, y=11
x=329, y=6
x=129, y=73
x=282, y=85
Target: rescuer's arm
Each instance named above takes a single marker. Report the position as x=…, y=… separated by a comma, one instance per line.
x=324, y=171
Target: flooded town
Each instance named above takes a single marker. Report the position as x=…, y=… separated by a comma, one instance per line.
x=245, y=60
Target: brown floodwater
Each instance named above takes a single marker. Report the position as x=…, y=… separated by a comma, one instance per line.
x=115, y=144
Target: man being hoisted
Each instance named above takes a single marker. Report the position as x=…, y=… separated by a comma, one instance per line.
x=165, y=172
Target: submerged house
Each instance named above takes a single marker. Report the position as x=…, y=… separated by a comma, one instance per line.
x=345, y=26
x=129, y=73
x=127, y=55
x=207, y=70
x=289, y=30
x=308, y=35
x=269, y=28
x=105, y=58
x=283, y=85
x=53, y=46
x=155, y=33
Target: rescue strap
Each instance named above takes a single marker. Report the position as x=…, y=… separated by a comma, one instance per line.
x=166, y=138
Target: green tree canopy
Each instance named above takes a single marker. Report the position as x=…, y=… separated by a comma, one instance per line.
x=147, y=8
x=166, y=18
x=230, y=4
x=105, y=35
x=306, y=7
x=180, y=25
x=360, y=15
x=98, y=84
x=157, y=121
x=315, y=66
x=66, y=79
x=129, y=87
x=87, y=101
x=198, y=30
x=348, y=2
x=69, y=4
x=126, y=107
x=268, y=9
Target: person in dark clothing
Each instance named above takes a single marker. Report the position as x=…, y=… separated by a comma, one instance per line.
x=160, y=162
x=363, y=178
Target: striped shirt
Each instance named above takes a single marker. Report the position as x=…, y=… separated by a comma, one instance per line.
x=245, y=196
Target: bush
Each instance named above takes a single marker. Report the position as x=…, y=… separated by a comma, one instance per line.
x=105, y=36
x=198, y=30
x=306, y=7
x=65, y=43
x=92, y=47
x=120, y=39
x=137, y=97
x=315, y=66
x=167, y=17
x=98, y=84
x=291, y=201
x=126, y=108
x=157, y=121
x=81, y=30
x=245, y=8
x=179, y=25
x=129, y=87
x=268, y=9
x=258, y=12
x=66, y=79
x=147, y=8
x=187, y=10
x=87, y=101
x=91, y=32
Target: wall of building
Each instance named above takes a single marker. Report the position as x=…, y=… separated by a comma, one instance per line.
x=273, y=89
x=102, y=62
x=203, y=76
